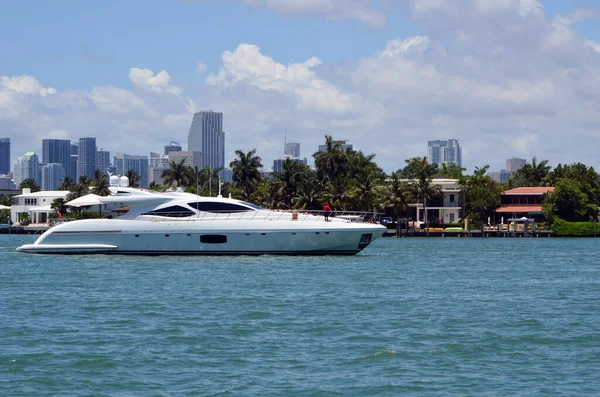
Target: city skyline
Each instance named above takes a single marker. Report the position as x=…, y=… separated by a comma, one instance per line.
x=511, y=77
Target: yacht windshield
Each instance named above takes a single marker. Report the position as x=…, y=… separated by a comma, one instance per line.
x=256, y=207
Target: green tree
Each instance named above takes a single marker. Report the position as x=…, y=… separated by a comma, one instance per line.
x=100, y=184
x=421, y=172
x=6, y=201
x=331, y=163
x=67, y=183
x=134, y=178
x=4, y=216
x=178, y=174
x=29, y=183
x=568, y=202
x=246, y=172
x=481, y=195
x=397, y=194
x=532, y=174
x=289, y=180
x=59, y=204
x=452, y=171
x=366, y=178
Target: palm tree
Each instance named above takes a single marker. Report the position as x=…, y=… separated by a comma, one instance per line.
x=100, y=184
x=29, y=183
x=452, y=171
x=532, y=174
x=422, y=172
x=288, y=181
x=85, y=180
x=330, y=163
x=66, y=183
x=246, y=172
x=6, y=201
x=366, y=179
x=134, y=178
x=177, y=173
x=397, y=194
x=59, y=204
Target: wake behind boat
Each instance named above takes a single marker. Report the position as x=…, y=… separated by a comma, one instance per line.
x=180, y=223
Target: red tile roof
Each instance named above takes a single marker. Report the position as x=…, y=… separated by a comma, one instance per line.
x=536, y=191
x=509, y=209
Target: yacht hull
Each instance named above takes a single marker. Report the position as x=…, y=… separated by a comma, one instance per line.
x=205, y=238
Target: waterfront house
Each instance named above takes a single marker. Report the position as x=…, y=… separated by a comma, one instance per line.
x=37, y=204
x=445, y=207
x=523, y=202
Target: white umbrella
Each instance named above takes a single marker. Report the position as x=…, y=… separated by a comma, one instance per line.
x=85, y=201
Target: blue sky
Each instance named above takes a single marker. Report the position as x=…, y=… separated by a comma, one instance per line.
x=503, y=77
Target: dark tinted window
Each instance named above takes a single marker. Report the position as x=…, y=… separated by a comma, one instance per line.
x=211, y=206
x=174, y=211
x=213, y=239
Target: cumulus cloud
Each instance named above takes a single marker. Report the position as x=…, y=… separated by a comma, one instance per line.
x=160, y=83
x=25, y=85
x=248, y=66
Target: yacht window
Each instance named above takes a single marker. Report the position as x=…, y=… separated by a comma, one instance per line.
x=214, y=206
x=213, y=239
x=174, y=211
x=256, y=207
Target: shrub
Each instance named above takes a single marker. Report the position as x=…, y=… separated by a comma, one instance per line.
x=562, y=228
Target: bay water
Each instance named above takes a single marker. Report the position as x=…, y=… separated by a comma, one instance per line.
x=412, y=316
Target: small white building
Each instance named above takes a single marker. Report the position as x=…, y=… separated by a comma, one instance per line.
x=37, y=204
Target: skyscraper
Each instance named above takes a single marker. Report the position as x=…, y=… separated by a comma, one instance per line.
x=207, y=136
x=52, y=174
x=444, y=152
x=4, y=156
x=514, y=164
x=27, y=166
x=137, y=164
x=291, y=149
x=57, y=151
x=86, y=162
x=172, y=147
x=102, y=160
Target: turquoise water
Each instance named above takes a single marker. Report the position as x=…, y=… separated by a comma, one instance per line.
x=481, y=317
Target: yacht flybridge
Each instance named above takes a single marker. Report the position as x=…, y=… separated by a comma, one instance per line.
x=177, y=223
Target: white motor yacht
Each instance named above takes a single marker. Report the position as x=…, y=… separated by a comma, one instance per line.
x=180, y=223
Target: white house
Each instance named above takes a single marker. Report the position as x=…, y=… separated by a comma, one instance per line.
x=37, y=204
x=446, y=210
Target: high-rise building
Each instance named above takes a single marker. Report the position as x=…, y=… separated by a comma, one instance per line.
x=138, y=164
x=27, y=166
x=291, y=149
x=156, y=166
x=514, y=164
x=501, y=176
x=52, y=174
x=102, y=160
x=86, y=162
x=192, y=159
x=344, y=145
x=172, y=147
x=57, y=151
x=444, y=152
x=4, y=156
x=207, y=137
x=278, y=163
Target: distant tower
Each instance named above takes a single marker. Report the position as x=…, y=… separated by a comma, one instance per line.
x=27, y=166
x=102, y=160
x=207, y=136
x=4, y=156
x=514, y=164
x=292, y=149
x=86, y=163
x=172, y=147
x=52, y=174
x=444, y=152
x=57, y=151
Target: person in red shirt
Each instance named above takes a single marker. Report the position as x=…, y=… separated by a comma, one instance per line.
x=326, y=211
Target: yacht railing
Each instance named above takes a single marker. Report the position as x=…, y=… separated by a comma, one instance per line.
x=275, y=215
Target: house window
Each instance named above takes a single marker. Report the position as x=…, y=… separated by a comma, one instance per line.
x=451, y=198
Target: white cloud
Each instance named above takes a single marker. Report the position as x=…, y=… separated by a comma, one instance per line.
x=26, y=85
x=146, y=79
x=248, y=66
